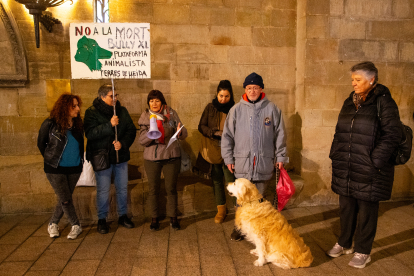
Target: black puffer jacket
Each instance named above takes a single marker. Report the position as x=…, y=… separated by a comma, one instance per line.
x=363, y=145
x=101, y=134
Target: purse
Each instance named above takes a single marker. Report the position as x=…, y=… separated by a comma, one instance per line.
x=100, y=160
x=87, y=178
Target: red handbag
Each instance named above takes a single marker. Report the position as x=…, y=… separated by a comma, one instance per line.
x=285, y=189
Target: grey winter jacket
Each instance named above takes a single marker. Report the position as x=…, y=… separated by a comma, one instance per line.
x=254, y=139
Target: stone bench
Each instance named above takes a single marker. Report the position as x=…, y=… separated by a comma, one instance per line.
x=195, y=196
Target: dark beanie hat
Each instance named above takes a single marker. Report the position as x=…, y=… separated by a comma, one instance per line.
x=253, y=78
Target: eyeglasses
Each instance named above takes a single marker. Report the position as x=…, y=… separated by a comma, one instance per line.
x=111, y=96
x=253, y=89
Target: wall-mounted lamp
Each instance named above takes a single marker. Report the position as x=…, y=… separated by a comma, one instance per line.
x=36, y=8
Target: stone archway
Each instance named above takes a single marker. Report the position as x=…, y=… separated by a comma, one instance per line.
x=13, y=69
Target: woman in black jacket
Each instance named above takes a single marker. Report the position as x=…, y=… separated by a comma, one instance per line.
x=211, y=126
x=108, y=155
x=60, y=141
x=362, y=168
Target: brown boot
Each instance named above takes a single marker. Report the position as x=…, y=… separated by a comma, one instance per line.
x=221, y=213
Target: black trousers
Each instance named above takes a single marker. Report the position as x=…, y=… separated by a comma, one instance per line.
x=359, y=215
x=171, y=169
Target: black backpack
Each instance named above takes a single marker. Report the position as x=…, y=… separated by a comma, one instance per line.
x=402, y=154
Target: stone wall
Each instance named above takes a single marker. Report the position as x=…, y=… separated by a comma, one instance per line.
x=194, y=43
x=334, y=35
x=303, y=50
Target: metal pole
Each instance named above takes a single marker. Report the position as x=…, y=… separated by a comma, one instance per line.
x=114, y=104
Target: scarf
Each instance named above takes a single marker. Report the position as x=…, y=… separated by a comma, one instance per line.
x=223, y=107
x=108, y=110
x=360, y=98
x=261, y=96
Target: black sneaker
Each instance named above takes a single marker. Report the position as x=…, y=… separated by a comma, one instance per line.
x=102, y=226
x=236, y=235
x=174, y=223
x=155, y=225
x=125, y=222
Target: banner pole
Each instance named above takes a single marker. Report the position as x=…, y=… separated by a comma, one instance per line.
x=116, y=129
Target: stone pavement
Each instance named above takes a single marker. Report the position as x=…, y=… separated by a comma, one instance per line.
x=200, y=248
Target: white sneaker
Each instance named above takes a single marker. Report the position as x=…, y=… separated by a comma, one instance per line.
x=75, y=232
x=53, y=230
x=338, y=250
x=360, y=260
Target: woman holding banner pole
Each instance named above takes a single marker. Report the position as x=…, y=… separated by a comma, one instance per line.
x=108, y=154
x=158, y=124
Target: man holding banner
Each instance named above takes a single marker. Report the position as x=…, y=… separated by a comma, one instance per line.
x=109, y=154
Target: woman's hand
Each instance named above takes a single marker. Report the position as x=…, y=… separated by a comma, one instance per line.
x=114, y=121
x=230, y=167
x=218, y=133
x=178, y=129
x=117, y=145
x=279, y=165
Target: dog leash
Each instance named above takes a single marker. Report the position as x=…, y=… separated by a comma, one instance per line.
x=277, y=181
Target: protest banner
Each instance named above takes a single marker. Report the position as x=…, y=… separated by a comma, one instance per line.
x=110, y=50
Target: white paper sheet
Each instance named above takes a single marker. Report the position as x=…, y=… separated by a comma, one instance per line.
x=174, y=137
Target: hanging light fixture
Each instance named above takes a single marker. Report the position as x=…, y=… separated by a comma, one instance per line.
x=36, y=8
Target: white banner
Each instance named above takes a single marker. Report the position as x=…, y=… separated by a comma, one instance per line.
x=110, y=50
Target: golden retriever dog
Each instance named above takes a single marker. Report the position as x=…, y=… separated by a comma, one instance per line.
x=275, y=240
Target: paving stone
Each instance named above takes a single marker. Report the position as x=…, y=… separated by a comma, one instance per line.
x=14, y=268
x=321, y=262
x=6, y=250
x=133, y=235
x=153, y=244
x=212, y=243
x=81, y=267
x=188, y=230
x=217, y=264
x=30, y=250
x=184, y=271
x=35, y=219
x=208, y=224
x=93, y=246
x=248, y=269
x=18, y=234
x=149, y=266
x=183, y=253
x=43, y=273
x=55, y=257
x=202, y=247
x=119, y=258
x=12, y=219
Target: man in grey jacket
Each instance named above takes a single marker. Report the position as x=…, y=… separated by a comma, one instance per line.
x=254, y=138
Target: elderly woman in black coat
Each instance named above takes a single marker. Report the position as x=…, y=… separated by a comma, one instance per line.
x=362, y=168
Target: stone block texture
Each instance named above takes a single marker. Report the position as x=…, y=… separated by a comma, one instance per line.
x=341, y=33
x=303, y=50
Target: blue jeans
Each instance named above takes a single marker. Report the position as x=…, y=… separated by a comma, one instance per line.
x=103, y=184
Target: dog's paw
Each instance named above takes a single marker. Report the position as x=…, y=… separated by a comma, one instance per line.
x=258, y=263
x=253, y=252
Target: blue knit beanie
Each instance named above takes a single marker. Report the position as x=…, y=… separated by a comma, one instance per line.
x=253, y=78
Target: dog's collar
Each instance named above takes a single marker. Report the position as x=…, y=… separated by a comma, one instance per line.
x=260, y=200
